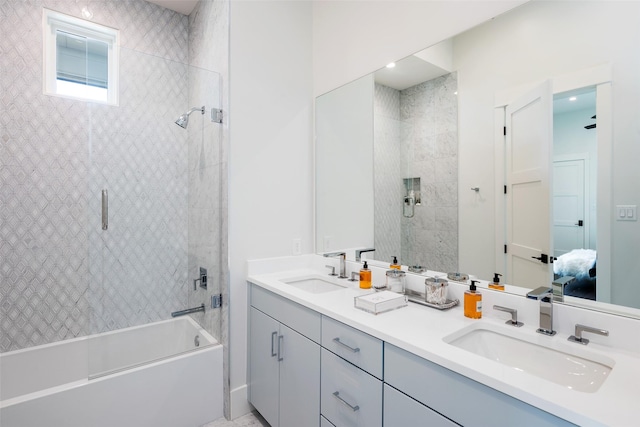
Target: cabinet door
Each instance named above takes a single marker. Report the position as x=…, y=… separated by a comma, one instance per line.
x=401, y=410
x=263, y=365
x=299, y=380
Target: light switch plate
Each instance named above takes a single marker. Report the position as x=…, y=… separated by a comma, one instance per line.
x=626, y=213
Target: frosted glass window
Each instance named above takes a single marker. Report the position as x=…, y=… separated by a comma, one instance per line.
x=81, y=59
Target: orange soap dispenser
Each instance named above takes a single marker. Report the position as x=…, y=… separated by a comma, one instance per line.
x=473, y=302
x=496, y=283
x=365, y=277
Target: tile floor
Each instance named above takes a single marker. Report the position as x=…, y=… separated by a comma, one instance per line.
x=252, y=419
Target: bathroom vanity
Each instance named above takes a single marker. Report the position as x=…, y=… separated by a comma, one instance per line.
x=317, y=360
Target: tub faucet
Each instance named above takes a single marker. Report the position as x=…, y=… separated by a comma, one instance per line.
x=545, y=296
x=343, y=259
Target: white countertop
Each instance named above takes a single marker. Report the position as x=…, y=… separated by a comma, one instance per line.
x=420, y=330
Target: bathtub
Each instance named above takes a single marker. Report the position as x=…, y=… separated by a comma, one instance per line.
x=167, y=373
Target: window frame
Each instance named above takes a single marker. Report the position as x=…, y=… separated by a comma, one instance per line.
x=55, y=21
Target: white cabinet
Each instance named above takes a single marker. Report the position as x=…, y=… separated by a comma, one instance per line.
x=457, y=397
x=284, y=365
x=308, y=370
x=350, y=396
x=264, y=386
x=401, y=410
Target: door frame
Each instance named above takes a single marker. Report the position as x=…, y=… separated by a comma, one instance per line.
x=586, y=198
x=599, y=77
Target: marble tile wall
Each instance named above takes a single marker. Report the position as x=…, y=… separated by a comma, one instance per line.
x=61, y=276
x=426, y=126
x=388, y=173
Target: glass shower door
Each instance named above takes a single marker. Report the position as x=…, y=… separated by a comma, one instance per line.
x=142, y=198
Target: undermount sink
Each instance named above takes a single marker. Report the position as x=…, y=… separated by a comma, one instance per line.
x=313, y=284
x=571, y=368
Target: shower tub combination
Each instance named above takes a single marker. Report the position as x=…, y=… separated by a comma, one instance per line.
x=167, y=373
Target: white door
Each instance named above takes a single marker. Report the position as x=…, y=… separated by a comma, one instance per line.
x=569, y=219
x=529, y=142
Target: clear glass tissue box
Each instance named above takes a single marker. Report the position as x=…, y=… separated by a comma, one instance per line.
x=380, y=302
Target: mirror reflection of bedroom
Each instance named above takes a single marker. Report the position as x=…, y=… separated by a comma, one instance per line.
x=574, y=190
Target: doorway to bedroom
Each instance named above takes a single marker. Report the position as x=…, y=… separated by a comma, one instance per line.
x=574, y=189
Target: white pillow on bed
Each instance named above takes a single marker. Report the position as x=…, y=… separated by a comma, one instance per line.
x=575, y=263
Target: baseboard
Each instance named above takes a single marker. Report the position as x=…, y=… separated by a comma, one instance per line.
x=238, y=403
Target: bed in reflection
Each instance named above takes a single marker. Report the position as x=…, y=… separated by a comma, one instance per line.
x=581, y=264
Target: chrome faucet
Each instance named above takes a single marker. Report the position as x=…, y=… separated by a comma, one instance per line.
x=545, y=296
x=343, y=259
x=582, y=328
x=558, y=286
x=360, y=251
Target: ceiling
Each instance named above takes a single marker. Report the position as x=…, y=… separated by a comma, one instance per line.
x=408, y=72
x=568, y=102
x=182, y=6
x=428, y=64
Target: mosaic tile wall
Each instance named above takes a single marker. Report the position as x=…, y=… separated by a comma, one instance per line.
x=61, y=275
x=427, y=123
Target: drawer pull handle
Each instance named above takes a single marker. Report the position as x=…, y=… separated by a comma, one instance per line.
x=273, y=335
x=344, y=402
x=351, y=349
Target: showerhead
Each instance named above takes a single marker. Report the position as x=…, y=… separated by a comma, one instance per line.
x=183, y=120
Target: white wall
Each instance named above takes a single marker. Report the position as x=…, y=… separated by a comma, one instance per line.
x=272, y=91
x=543, y=43
x=270, y=159
x=354, y=38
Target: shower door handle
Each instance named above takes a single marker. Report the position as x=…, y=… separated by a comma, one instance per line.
x=105, y=210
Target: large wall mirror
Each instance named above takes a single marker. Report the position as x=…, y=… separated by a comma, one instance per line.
x=406, y=158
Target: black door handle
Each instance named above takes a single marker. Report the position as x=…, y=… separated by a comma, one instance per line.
x=543, y=258
x=580, y=223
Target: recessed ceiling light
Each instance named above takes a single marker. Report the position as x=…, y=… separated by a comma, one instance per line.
x=391, y=64
x=573, y=98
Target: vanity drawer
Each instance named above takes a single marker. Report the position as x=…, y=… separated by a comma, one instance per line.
x=457, y=397
x=299, y=318
x=325, y=423
x=353, y=345
x=401, y=410
x=349, y=397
